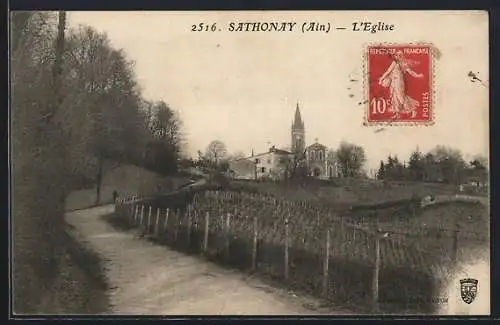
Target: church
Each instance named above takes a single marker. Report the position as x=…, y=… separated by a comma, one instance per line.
x=316, y=154
x=271, y=164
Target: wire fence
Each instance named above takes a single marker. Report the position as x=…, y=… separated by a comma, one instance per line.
x=307, y=247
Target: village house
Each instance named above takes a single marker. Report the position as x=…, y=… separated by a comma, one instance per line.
x=271, y=164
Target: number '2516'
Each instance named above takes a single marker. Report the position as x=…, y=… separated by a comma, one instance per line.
x=202, y=27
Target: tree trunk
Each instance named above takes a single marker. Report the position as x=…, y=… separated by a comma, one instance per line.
x=57, y=67
x=99, y=180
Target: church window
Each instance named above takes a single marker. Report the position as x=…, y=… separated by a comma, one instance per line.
x=321, y=155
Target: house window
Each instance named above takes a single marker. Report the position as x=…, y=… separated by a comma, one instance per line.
x=263, y=169
x=268, y=160
x=257, y=161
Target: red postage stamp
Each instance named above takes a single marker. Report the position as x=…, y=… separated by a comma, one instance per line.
x=399, y=84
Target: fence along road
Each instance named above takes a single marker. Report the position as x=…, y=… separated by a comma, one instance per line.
x=219, y=219
x=145, y=278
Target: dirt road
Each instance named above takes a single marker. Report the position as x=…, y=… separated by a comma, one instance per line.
x=146, y=278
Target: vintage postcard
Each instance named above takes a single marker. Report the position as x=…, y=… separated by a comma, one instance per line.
x=250, y=163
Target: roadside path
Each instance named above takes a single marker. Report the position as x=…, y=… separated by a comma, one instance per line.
x=146, y=278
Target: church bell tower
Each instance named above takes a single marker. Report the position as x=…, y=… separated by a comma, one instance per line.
x=298, y=133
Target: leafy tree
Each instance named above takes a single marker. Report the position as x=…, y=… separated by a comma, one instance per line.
x=293, y=165
x=381, y=171
x=450, y=163
x=74, y=103
x=101, y=80
x=416, y=165
x=201, y=161
x=164, y=147
x=351, y=159
x=479, y=162
x=478, y=169
x=389, y=166
x=38, y=157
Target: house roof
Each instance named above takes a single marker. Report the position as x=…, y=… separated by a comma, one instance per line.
x=280, y=151
x=271, y=150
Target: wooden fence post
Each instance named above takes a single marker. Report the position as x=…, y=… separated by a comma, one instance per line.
x=255, y=237
x=342, y=235
x=166, y=220
x=325, y=264
x=188, y=227
x=142, y=216
x=136, y=214
x=157, y=222
x=286, y=249
x=227, y=248
x=131, y=213
x=177, y=223
x=376, y=271
x=148, y=229
x=455, y=242
x=205, y=239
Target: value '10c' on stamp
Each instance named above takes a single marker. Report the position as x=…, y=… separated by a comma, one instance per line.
x=399, y=84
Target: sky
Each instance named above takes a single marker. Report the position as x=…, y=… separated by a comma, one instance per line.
x=242, y=87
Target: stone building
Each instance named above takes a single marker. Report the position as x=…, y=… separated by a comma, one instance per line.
x=269, y=165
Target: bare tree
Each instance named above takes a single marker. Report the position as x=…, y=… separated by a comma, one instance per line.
x=236, y=155
x=215, y=152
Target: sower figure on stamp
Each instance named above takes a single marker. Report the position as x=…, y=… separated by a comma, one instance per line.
x=394, y=77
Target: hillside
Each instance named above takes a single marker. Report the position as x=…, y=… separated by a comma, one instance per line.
x=127, y=180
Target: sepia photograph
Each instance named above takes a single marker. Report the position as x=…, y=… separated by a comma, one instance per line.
x=249, y=163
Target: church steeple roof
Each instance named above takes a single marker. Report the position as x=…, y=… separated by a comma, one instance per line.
x=297, y=122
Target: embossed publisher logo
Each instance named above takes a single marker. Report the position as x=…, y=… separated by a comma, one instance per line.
x=468, y=290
